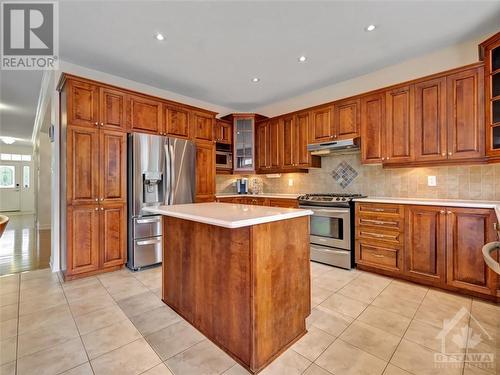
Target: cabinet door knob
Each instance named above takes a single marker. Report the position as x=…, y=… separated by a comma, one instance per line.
x=443, y=154
x=387, y=158
x=335, y=136
x=448, y=212
x=96, y=208
x=102, y=208
x=450, y=153
x=97, y=199
x=441, y=212
x=102, y=199
x=102, y=123
x=96, y=123
x=383, y=158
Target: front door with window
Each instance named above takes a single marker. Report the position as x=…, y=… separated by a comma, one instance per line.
x=10, y=194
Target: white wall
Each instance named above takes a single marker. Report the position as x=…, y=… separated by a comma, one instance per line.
x=444, y=59
x=44, y=184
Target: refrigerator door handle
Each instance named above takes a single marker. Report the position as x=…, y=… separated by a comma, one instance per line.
x=171, y=150
x=168, y=172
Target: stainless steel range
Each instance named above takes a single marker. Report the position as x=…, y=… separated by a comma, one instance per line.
x=332, y=227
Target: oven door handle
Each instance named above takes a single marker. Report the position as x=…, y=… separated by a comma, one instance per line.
x=327, y=210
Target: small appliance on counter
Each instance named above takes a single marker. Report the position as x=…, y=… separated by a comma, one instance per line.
x=332, y=227
x=242, y=185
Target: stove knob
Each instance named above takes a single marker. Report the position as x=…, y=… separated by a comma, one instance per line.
x=343, y=199
x=337, y=199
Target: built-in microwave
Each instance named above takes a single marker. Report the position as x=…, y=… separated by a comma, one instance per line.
x=223, y=159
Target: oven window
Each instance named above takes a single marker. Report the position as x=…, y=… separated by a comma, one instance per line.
x=221, y=159
x=327, y=227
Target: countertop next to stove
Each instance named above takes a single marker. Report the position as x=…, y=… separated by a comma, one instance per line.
x=436, y=202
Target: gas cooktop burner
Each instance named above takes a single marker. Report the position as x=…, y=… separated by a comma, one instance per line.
x=329, y=198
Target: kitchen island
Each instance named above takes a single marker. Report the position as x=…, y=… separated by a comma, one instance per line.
x=240, y=274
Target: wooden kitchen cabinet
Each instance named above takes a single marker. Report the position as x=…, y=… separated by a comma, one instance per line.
x=302, y=157
x=288, y=142
x=113, y=167
x=430, y=134
x=262, y=144
x=175, y=122
x=399, y=125
x=82, y=165
x=113, y=230
x=82, y=240
x=434, y=245
x=112, y=109
x=426, y=244
x=203, y=127
x=346, y=119
x=82, y=103
x=145, y=114
x=490, y=53
x=465, y=114
x=467, y=231
x=372, y=128
x=205, y=172
x=223, y=132
x=322, y=129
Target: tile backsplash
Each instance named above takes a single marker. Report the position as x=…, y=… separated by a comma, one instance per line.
x=453, y=182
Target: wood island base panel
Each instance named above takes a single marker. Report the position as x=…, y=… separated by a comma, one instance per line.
x=247, y=289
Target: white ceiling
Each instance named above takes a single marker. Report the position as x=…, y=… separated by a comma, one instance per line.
x=213, y=49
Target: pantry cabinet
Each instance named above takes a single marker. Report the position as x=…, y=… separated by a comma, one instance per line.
x=205, y=179
x=112, y=109
x=82, y=101
x=113, y=222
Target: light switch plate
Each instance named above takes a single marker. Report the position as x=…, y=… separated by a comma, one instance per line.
x=431, y=181
x=290, y=182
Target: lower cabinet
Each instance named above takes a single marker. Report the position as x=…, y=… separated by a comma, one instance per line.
x=96, y=238
x=441, y=246
x=425, y=243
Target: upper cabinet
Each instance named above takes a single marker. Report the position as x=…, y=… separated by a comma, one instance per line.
x=223, y=132
x=112, y=110
x=203, y=126
x=244, y=147
x=322, y=125
x=465, y=114
x=399, y=125
x=82, y=104
x=302, y=157
x=490, y=52
x=145, y=114
x=372, y=128
x=346, y=117
x=430, y=130
x=175, y=122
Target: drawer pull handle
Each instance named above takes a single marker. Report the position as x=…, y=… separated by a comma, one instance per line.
x=146, y=221
x=377, y=209
x=148, y=242
x=374, y=234
x=378, y=256
x=380, y=222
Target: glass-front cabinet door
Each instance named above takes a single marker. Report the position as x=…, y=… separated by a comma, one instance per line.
x=244, y=147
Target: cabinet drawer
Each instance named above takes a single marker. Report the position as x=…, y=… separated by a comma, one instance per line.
x=390, y=223
x=379, y=209
x=147, y=226
x=378, y=255
x=375, y=234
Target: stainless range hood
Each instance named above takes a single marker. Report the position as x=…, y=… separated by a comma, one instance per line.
x=327, y=148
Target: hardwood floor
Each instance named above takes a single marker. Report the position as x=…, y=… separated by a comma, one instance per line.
x=22, y=248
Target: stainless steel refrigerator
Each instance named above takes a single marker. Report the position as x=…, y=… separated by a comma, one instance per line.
x=161, y=171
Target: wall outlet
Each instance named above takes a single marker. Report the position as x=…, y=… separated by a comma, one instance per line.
x=290, y=182
x=431, y=181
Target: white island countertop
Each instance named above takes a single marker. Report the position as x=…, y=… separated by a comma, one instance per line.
x=263, y=195
x=228, y=215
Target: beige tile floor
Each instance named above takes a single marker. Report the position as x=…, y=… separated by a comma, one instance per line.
x=116, y=324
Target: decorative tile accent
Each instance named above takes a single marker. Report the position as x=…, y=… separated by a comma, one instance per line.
x=344, y=174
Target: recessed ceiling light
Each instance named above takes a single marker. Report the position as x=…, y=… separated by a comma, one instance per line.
x=255, y=80
x=302, y=58
x=159, y=36
x=370, y=27
x=8, y=140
